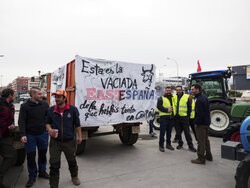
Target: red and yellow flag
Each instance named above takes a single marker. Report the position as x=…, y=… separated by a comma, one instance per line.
x=199, y=66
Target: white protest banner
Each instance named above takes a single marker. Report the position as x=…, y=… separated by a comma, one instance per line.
x=112, y=92
x=58, y=81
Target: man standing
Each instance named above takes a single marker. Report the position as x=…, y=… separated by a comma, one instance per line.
x=32, y=125
x=63, y=120
x=7, y=111
x=183, y=111
x=166, y=113
x=202, y=122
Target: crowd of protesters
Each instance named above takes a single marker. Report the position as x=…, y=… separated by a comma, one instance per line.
x=37, y=121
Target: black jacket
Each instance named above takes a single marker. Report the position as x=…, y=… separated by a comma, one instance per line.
x=32, y=117
x=202, y=110
x=65, y=123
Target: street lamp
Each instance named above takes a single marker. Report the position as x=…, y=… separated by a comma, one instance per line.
x=168, y=58
x=161, y=71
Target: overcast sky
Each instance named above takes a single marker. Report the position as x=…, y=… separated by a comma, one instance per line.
x=43, y=35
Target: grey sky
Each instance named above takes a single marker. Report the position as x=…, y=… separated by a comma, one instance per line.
x=43, y=35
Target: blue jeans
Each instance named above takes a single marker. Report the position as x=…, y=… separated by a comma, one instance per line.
x=41, y=142
x=166, y=126
x=151, y=125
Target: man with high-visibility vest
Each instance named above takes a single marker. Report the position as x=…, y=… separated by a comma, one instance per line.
x=182, y=115
x=166, y=109
x=192, y=115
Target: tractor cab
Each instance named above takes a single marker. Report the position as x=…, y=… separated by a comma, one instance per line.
x=213, y=83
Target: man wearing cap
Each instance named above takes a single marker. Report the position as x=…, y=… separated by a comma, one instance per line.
x=32, y=125
x=62, y=123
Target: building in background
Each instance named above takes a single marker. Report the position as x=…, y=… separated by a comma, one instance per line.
x=241, y=77
x=163, y=82
x=9, y=85
x=20, y=85
x=33, y=82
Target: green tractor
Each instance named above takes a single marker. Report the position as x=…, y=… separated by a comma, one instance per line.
x=239, y=112
x=236, y=144
x=240, y=151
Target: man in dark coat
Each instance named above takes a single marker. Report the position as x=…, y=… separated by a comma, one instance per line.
x=202, y=122
x=32, y=125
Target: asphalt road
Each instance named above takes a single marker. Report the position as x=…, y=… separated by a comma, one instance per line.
x=108, y=163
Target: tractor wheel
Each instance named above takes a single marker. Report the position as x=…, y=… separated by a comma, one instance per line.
x=220, y=118
x=127, y=137
x=232, y=133
x=80, y=148
x=20, y=156
x=243, y=173
x=157, y=123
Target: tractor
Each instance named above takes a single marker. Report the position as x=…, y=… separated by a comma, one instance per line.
x=215, y=86
x=240, y=151
x=239, y=112
x=237, y=143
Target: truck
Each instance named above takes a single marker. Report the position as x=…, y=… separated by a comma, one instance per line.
x=215, y=86
x=112, y=93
